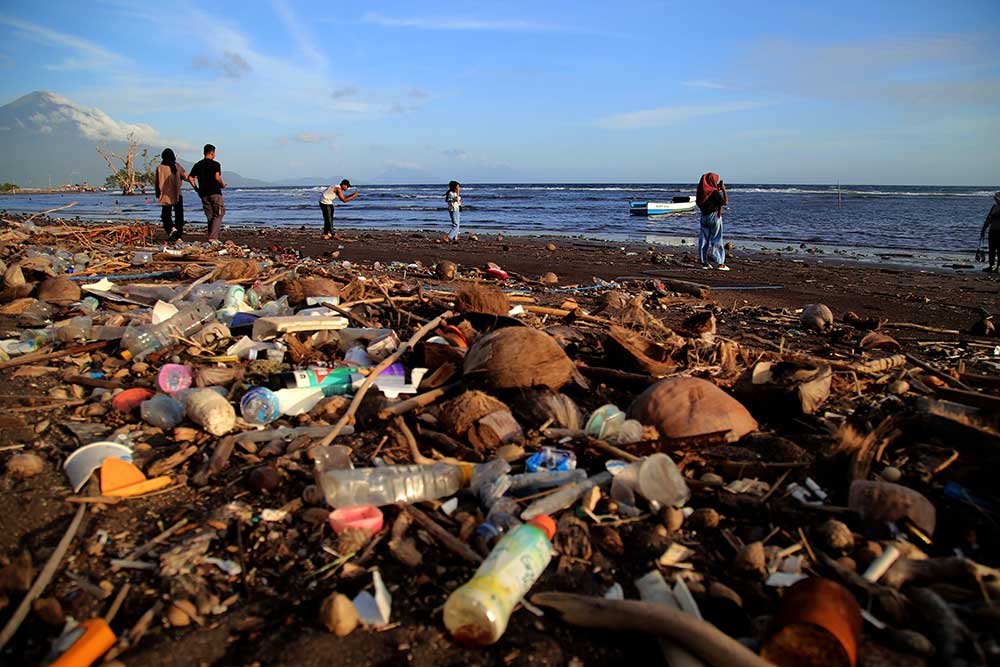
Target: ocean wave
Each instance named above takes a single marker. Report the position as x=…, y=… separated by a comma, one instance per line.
x=832, y=190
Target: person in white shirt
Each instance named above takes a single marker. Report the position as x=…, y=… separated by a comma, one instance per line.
x=328, y=200
x=453, y=198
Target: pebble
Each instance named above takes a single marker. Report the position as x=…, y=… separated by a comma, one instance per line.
x=712, y=478
x=899, y=387
x=338, y=614
x=264, y=478
x=180, y=613
x=673, y=519
x=23, y=466
x=892, y=474
x=751, y=558
x=702, y=518
x=551, y=247
x=835, y=535
x=42, y=426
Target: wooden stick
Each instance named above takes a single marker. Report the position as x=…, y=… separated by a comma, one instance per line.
x=85, y=381
x=46, y=356
x=144, y=549
x=974, y=398
x=117, y=603
x=921, y=327
x=418, y=401
x=44, y=577
x=693, y=635
x=446, y=539
x=354, y=317
x=370, y=380
x=187, y=290
x=51, y=210
x=941, y=375
x=868, y=367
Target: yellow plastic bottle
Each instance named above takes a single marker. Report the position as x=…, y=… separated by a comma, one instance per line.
x=477, y=612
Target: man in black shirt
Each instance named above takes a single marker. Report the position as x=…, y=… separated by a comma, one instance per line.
x=209, y=188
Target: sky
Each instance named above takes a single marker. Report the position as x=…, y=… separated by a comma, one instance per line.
x=794, y=92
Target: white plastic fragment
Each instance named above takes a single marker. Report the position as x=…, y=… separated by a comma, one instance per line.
x=881, y=565
x=616, y=592
x=374, y=610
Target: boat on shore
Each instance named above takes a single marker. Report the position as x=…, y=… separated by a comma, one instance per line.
x=677, y=205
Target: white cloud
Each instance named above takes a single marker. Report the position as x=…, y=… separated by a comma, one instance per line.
x=92, y=122
x=705, y=84
x=663, y=116
x=90, y=54
x=302, y=41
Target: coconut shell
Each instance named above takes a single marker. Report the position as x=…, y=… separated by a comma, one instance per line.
x=816, y=317
x=879, y=341
x=446, y=270
x=638, y=353
x=685, y=407
x=298, y=289
x=238, y=269
x=461, y=413
x=784, y=387
x=518, y=358
x=482, y=299
x=60, y=291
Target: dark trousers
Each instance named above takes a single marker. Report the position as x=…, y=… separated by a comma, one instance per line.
x=994, y=243
x=327, y=218
x=178, y=222
x=214, y=210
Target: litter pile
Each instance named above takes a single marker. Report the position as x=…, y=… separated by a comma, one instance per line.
x=255, y=440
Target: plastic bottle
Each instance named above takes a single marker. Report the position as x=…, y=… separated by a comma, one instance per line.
x=501, y=518
x=259, y=406
x=174, y=377
x=388, y=484
x=141, y=257
x=163, y=335
x=333, y=381
x=533, y=482
x=162, y=411
x=234, y=299
x=564, y=497
x=477, y=613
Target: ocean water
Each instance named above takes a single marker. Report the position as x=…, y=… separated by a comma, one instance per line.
x=938, y=220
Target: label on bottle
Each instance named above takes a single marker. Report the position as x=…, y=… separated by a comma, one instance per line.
x=511, y=569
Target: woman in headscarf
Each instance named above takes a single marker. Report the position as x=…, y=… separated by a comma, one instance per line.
x=711, y=198
x=169, y=176
x=993, y=225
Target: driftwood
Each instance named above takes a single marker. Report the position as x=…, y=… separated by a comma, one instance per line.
x=936, y=373
x=686, y=287
x=694, y=635
x=446, y=539
x=46, y=356
x=419, y=401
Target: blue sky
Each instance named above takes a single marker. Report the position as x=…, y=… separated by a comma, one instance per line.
x=795, y=92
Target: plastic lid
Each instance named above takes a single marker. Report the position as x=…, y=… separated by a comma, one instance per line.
x=545, y=523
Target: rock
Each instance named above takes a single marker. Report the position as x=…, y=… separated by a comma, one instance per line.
x=847, y=563
x=180, y=613
x=315, y=516
x=550, y=278
x=49, y=610
x=23, y=466
x=884, y=502
x=446, y=270
x=551, y=247
x=17, y=577
x=60, y=291
x=816, y=317
x=404, y=549
x=683, y=407
x=338, y=614
x=892, y=474
x=712, y=478
x=835, y=535
x=751, y=558
x=312, y=495
x=264, y=478
x=607, y=540
x=703, y=518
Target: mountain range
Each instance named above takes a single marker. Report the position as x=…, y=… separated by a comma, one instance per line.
x=48, y=140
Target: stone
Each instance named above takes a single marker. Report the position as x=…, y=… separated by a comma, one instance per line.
x=338, y=614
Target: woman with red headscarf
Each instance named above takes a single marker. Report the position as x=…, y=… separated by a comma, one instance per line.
x=711, y=198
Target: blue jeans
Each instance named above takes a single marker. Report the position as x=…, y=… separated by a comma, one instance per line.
x=455, y=218
x=710, y=239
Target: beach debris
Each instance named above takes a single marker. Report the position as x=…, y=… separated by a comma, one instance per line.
x=816, y=317
x=686, y=407
x=338, y=614
x=636, y=352
x=517, y=357
x=446, y=270
x=58, y=290
x=209, y=410
x=817, y=625
x=24, y=466
x=785, y=386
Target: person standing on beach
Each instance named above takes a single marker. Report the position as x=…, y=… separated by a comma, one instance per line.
x=167, y=184
x=712, y=196
x=209, y=188
x=328, y=201
x=993, y=225
x=453, y=198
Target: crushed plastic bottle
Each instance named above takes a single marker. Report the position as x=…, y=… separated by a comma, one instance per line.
x=532, y=482
x=477, y=613
x=333, y=381
x=153, y=338
x=162, y=411
x=388, y=484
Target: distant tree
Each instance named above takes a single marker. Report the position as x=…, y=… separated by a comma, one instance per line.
x=148, y=174
x=123, y=176
x=8, y=187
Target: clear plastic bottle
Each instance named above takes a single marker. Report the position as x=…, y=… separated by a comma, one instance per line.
x=564, y=497
x=388, y=484
x=260, y=405
x=533, y=482
x=234, y=299
x=477, y=613
x=163, y=335
x=501, y=518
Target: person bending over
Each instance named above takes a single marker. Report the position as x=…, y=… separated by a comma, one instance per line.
x=330, y=199
x=993, y=225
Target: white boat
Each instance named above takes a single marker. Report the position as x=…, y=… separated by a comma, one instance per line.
x=678, y=205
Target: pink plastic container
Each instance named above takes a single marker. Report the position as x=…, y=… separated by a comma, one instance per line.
x=366, y=518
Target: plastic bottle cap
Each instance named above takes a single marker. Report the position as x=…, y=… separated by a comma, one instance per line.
x=363, y=517
x=545, y=523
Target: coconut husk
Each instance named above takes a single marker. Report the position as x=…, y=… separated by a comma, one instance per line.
x=298, y=289
x=238, y=269
x=482, y=299
x=816, y=317
x=538, y=406
x=462, y=412
x=613, y=300
x=60, y=291
x=879, y=341
x=439, y=354
x=785, y=386
x=446, y=270
x=37, y=264
x=354, y=291
x=518, y=358
x=700, y=325
x=635, y=352
x=685, y=407
x=189, y=271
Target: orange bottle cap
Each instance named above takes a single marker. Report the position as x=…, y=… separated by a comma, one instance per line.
x=545, y=523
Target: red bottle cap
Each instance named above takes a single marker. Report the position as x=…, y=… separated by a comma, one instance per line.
x=545, y=524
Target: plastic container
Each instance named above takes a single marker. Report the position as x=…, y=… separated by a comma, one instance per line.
x=333, y=381
x=173, y=378
x=564, y=497
x=609, y=423
x=162, y=411
x=477, y=613
x=156, y=337
x=660, y=481
x=388, y=484
x=141, y=257
x=259, y=406
x=551, y=458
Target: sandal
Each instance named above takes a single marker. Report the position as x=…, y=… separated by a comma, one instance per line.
x=722, y=267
